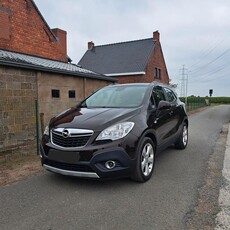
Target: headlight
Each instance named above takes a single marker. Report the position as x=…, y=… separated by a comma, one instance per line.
x=46, y=131
x=116, y=132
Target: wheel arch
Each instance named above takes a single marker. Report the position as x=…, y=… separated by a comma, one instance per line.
x=150, y=134
x=186, y=121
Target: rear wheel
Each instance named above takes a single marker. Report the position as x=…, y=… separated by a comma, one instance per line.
x=145, y=160
x=182, y=141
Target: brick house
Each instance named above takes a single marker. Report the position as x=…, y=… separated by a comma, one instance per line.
x=132, y=61
x=23, y=29
x=34, y=65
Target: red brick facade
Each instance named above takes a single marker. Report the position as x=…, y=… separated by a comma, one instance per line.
x=22, y=29
x=156, y=60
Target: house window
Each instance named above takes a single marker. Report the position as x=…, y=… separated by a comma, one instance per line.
x=157, y=73
x=55, y=93
x=72, y=94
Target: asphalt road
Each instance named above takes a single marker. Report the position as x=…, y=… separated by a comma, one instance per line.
x=48, y=201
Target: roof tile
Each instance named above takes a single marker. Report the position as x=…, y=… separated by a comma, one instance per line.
x=46, y=64
x=124, y=57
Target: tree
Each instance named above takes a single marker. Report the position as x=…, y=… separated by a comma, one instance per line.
x=173, y=85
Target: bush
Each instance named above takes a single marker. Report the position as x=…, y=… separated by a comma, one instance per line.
x=198, y=102
x=215, y=100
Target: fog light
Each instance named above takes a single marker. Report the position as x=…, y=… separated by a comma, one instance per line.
x=110, y=164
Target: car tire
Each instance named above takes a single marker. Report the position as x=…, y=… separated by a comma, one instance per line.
x=144, y=163
x=182, y=141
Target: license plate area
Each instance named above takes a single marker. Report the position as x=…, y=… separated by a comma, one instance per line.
x=64, y=157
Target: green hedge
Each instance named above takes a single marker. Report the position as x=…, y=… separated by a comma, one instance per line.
x=215, y=100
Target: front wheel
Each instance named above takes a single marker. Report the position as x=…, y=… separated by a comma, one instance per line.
x=182, y=141
x=145, y=160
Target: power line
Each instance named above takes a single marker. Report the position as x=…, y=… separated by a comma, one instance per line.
x=216, y=77
x=216, y=70
x=215, y=59
x=209, y=67
x=209, y=50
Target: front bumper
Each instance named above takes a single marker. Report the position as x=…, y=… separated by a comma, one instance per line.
x=70, y=173
x=72, y=163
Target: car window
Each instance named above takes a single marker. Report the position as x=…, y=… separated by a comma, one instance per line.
x=170, y=95
x=158, y=95
x=117, y=97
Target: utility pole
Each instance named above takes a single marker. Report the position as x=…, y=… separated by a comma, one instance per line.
x=184, y=86
x=186, y=97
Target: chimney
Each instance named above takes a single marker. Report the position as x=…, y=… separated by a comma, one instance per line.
x=90, y=45
x=156, y=36
x=61, y=34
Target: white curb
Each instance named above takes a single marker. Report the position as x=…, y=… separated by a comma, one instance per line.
x=223, y=217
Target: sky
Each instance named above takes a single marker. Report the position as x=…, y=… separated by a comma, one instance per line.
x=194, y=35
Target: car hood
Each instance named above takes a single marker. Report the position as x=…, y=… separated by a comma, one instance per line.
x=95, y=119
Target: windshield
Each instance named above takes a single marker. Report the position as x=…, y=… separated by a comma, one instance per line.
x=117, y=97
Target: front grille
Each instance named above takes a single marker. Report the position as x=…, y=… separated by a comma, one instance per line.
x=72, y=141
x=70, y=167
x=69, y=142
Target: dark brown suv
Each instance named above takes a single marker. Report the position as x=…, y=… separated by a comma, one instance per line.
x=115, y=132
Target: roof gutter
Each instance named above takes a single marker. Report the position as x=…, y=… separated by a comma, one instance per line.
x=124, y=74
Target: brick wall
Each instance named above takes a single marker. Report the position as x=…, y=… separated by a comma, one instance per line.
x=5, y=24
x=23, y=30
x=156, y=60
x=18, y=90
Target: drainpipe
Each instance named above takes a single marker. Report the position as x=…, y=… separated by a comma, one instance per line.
x=38, y=73
x=37, y=124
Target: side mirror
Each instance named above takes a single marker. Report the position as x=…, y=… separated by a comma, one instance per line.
x=164, y=105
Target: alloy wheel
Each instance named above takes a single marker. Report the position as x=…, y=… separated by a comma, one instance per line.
x=185, y=135
x=147, y=159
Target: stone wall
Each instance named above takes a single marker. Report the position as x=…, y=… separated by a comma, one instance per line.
x=18, y=91
x=19, y=88
x=51, y=106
